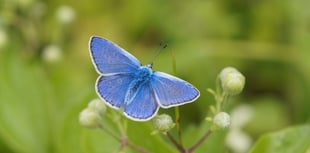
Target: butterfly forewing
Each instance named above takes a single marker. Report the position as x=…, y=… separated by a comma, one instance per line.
x=110, y=59
x=171, y=91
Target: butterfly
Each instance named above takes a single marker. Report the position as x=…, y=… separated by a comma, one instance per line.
x=138, y=90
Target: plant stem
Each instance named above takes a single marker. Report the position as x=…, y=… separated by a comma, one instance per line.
x=110, y=133
x=177, y=111
x=218, y=96
x=174, y=65
x=136, y=147
x=123, y=144
x=124, y=141
x=172, y=139
x=178, y=124
x=199, y=142
x=191, y=149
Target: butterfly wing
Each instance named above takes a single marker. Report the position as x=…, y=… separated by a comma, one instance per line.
x=143, y=106
x=112, y=89
x=171, y=91
x=110, y=59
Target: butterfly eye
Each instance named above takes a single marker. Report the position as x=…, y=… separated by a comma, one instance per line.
x=150, y=65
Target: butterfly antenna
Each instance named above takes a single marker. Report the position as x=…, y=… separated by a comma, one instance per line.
x=162, y=45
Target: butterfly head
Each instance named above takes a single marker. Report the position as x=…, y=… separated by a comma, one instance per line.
x=144, y=71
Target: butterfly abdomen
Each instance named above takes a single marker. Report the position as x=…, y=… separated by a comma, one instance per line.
x=141, y=77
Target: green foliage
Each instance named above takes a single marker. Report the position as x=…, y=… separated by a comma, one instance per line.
x=291, y=140
x=40, y=99
x=26, y=106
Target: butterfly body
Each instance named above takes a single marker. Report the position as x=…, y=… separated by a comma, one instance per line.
x=138, y=90
x=142, y=77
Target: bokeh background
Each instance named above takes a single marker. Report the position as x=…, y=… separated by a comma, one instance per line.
x=47, y=78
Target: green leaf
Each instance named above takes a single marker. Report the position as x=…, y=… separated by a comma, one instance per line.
x=290, y=140
x=25, y=105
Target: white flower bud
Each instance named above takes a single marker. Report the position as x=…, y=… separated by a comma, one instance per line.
x=98, y=106
x=232, y=81
x=51, y=53
x=221, y=120
x=227, y=70
x=65, y=14
x=90, y=118
x=163, y=123
x=241, y=115
x=238, y=141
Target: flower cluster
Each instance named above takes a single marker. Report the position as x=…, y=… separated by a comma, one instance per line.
x=230, y=82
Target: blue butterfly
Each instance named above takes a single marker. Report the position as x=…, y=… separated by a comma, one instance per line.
x=125, y=84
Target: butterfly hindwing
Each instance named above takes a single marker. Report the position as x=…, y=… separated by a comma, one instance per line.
x=171, y=91
x=143, y=107
x=113, y=88
x=109, y=58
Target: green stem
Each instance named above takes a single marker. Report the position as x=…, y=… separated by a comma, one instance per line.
x=135, y=147
x=178, y=124
x=123, y=140
x=104, y=129
x=121, y=127
x=225, y=100
x=174, y=65
x=218, y=85
x=218, y=96
x=199, y=142
x=177, y=111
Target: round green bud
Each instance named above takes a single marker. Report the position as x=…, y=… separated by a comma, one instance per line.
x=98, y=106
x=221, y=120
x=163, y=123
x=232, y=81
x=90, y=118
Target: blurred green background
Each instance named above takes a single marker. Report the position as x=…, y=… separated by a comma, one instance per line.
x=47, y=78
